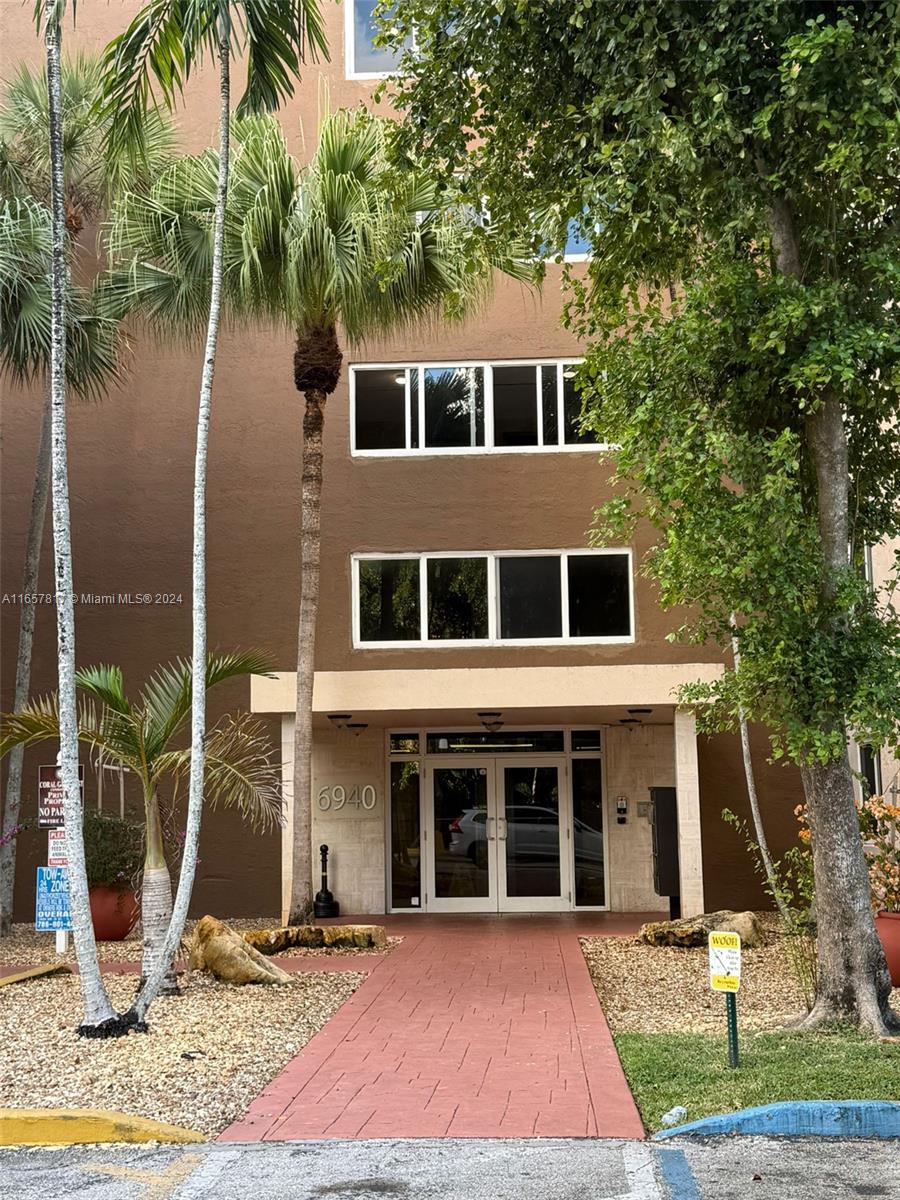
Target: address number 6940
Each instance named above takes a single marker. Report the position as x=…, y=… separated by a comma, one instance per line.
x=336, y=797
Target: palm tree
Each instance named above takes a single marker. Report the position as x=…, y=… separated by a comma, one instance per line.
x=142, y=736
x=160, y=46
x=99, y=1016
x=91, y=177
x=92, y=363
x=348, y=247
x=95, y=167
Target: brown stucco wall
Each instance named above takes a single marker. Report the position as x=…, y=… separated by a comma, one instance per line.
x=729, y=877
x=131, y=462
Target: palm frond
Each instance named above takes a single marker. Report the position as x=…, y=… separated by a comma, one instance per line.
x=166, y=697
x=93, y=171
x=39, y=722
x=238, y=772
x=95, y=344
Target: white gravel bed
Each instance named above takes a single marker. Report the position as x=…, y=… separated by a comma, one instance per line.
x=207, y=1055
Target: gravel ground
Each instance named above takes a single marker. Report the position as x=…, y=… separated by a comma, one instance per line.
x=25, y=948
x=208, y=1054
x=647, y=990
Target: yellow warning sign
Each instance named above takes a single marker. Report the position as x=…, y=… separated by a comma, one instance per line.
x=724, y=961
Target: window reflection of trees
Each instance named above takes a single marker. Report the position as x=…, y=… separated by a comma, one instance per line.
x=457, y=598
x=454, y=406
x=389, y=600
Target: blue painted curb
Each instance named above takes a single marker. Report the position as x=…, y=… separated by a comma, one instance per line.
x=801, y=1118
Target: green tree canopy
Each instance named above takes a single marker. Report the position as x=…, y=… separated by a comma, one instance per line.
x=735, y=168
x=669, y=133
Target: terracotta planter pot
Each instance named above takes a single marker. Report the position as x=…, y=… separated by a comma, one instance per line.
x=888, y=926
x=114, y=913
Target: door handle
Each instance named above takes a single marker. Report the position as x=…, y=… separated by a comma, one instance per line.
x=502, y=836
x=490, y=836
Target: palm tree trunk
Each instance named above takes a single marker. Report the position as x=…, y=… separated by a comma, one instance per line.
x=13, y=804
x=156, y=895
x=310, y=523
x=179, y=914
x=99, y=1015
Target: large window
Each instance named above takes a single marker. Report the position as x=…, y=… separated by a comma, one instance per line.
x=493, y=598
x=467, y=408
x=365, y=60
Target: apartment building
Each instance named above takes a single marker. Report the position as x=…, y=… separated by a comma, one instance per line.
x=494, y=702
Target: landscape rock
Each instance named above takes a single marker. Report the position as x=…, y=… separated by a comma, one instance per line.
x=276, y=941
x=690, y=932
x=216, y=948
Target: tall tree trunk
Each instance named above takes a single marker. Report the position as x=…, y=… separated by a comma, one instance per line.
x=758, y=828
x=854, y=985
x=310, y=521
x=156, y=895
x=176, y=925
x=853, y=982
x=13, y=802
x=99, y=1016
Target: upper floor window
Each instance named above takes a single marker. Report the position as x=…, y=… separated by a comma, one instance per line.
x=493, y=598
x=364, y=59
x=466, y=407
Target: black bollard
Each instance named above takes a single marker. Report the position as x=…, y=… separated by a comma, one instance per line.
x=325, y=904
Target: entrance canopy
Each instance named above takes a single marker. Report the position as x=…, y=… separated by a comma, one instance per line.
x=524, y=694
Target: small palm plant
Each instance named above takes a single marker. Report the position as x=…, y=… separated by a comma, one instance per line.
x=142, y=737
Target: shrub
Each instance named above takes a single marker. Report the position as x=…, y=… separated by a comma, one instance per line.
x=113, y=850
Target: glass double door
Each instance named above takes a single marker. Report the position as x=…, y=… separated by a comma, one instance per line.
x=497, y=835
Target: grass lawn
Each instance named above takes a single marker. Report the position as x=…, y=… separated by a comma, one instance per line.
x=665, y=1069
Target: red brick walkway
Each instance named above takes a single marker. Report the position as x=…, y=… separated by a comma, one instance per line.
x=472, y=1027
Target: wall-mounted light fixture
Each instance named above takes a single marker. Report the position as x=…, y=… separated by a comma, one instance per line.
x=356, y=727
x=339, y=720
x=629, y=721
x=492, y=721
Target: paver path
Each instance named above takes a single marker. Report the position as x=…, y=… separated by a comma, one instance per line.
x=468, y=1029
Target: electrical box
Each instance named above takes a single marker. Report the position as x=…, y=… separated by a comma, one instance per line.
x=664, y=827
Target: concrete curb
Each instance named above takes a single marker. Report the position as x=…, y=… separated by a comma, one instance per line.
x=79, y=1126
x=800, y=1118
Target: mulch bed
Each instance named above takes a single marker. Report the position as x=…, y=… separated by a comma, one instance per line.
x=207, y=1055
x=643, y=989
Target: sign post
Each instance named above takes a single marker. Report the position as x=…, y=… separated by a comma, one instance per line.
x=725, y=976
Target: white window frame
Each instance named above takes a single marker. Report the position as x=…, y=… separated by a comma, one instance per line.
x=487, y=365
x=493, y=599
x=350, y=71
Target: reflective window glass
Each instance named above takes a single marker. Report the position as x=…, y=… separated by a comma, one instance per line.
x=515, y=406
x=454, y=406
x=380, y=403
x=389, y=600
x=457, y=598
x=530, y=597
x=599, y=602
